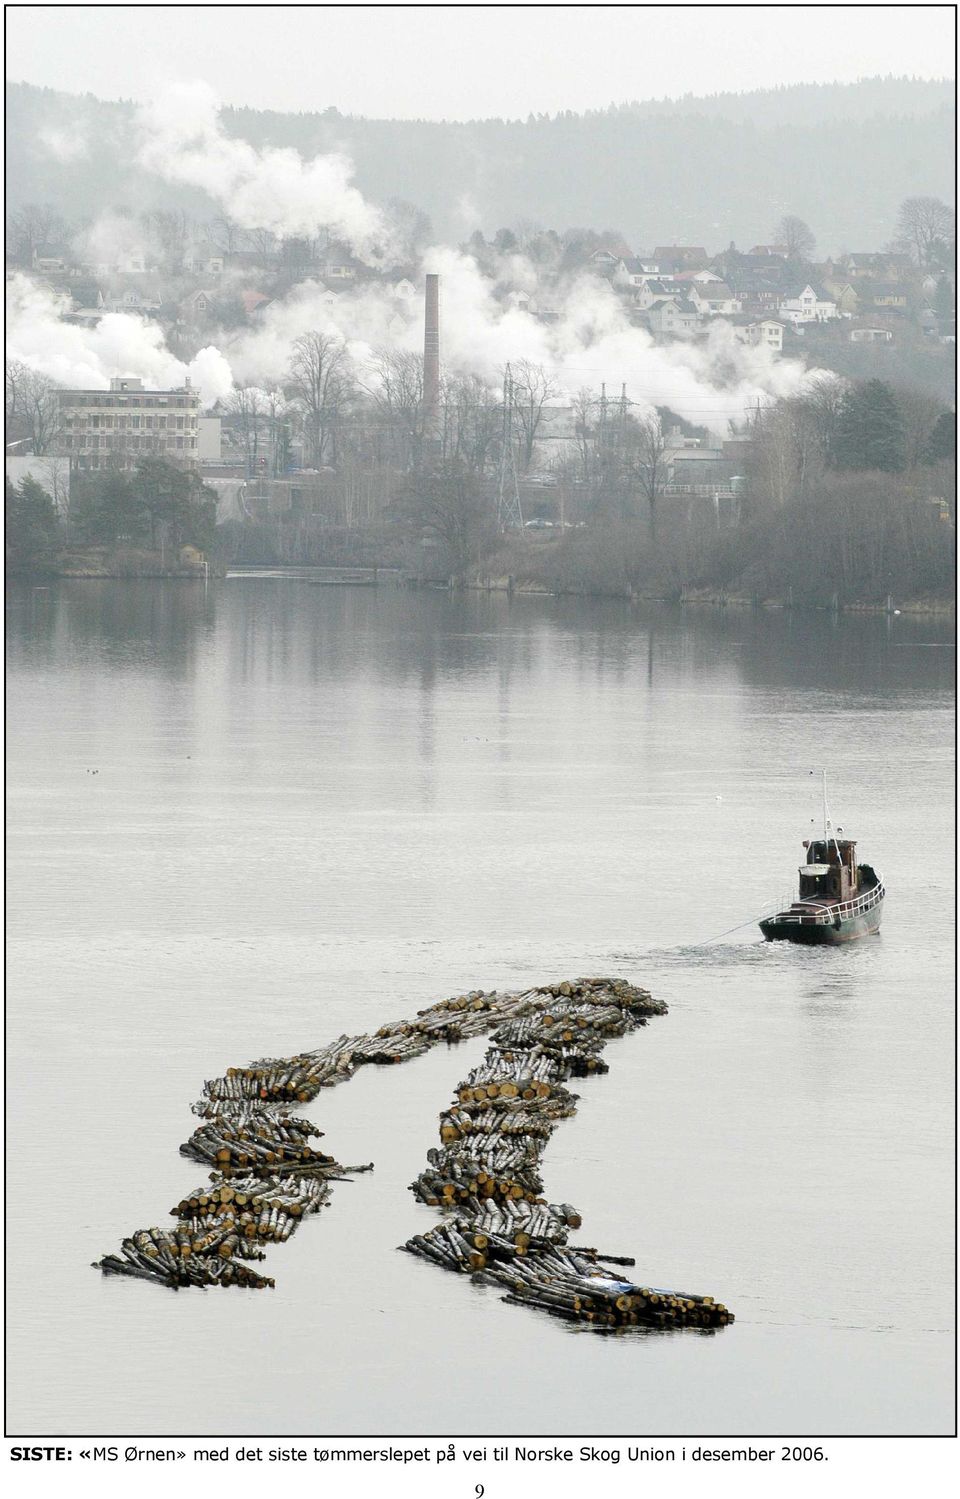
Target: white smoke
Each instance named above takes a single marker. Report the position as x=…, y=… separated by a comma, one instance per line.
x=578, y=329
x=275, y=189
x=85, y=358
x=64, y=145
x=591, y=342
x=116, y=240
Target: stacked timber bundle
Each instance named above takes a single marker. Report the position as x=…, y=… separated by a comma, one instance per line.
x=267, y=1176
x=487, y=1170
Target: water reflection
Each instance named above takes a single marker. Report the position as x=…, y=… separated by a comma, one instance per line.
x=318, y=809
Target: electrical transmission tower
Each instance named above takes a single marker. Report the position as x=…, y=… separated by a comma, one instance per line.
x=508, y=488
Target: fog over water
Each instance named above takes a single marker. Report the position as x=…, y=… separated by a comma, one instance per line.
x=245, y=819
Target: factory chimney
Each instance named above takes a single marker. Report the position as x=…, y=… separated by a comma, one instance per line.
x=431, y=369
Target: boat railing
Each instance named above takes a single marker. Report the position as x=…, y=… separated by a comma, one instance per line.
x=840, y=910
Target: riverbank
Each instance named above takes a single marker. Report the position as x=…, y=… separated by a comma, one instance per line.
x=121, y=562
x=718, y=598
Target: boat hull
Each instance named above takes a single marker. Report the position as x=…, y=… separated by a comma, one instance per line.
x=841, y=929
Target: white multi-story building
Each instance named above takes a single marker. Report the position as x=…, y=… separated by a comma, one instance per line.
x=116, y=427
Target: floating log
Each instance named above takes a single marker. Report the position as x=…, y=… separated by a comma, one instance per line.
x=267, y=1175
x=487, y=1170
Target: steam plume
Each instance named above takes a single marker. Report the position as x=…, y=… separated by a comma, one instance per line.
x=275, y=189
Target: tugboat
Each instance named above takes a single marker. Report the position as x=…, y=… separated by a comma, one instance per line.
x=839, y=899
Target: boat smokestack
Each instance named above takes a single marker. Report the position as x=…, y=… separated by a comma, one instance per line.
x=431, y=365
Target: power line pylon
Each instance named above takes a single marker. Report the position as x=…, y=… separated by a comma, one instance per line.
x=508, y=488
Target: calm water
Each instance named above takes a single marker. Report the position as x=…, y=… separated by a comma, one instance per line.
x=317, y=809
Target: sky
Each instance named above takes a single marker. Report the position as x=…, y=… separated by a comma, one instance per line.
x=466, y=62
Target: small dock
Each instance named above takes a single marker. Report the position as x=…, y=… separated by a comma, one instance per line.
x=330, y=577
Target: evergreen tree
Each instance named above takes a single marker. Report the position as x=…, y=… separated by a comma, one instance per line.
x=942, y=442
x=32, y=527
x=870, y=431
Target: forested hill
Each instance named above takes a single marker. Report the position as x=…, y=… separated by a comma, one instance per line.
x=697, y=171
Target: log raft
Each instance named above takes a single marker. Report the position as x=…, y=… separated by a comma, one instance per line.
x=485, y=1177
x=268, y=1173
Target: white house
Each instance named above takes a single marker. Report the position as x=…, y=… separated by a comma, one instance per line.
x=133, y=299
x=633, y=272
x=713, y=299
x=652, y=291
x=870, y=336
x=205, y=260
x=807, y=306
x=766, y=333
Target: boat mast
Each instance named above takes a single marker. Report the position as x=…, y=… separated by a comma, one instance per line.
x=826, y=819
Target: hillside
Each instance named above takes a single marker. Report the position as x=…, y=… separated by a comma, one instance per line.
x=703, y=171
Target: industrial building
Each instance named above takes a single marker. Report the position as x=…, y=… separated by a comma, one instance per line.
x=116, y=427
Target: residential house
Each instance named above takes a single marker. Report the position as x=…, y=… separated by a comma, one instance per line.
x=631, y=272
x=806, y=304
x=768, y=252
x=521, y=301
x=135, y=299
x=766, y=333
x=884, y=265
x=844, y=294
x=87, y=305
x=713, y=299
x=197, y=307
x=338, y=269
x=758, y=293
x=870, y=336
x=889, y=296
x=673, y=316
x=51, y=260
x=132, y=263
x=204, y=260
x=672, y=258
x=651, y=291
x=253, y=302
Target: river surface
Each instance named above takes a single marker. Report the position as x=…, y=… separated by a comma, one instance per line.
x=247, y=818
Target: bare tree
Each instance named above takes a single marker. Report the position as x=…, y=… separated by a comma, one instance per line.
x=321, y=380
x=584, y=428
x=249, y=407
x=12, y=395
x=472, y=420
x=532, y=389
x=448, y=505
x=227, y=236
x=170, y=228
x=928, y=226
x=796, y=236
x=36, y=404
x=263, y=242
x=646, y=447
x=397, y=393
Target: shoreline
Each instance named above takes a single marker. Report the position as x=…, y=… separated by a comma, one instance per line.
x=705, y=599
